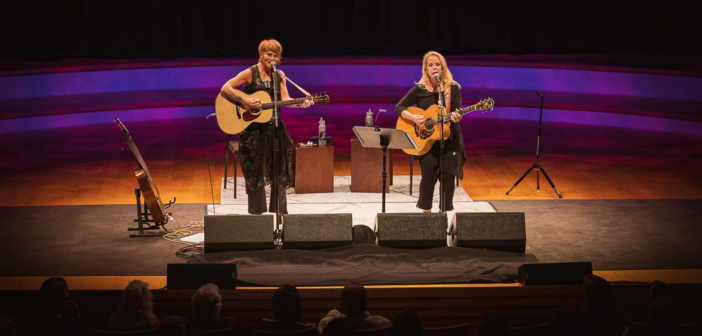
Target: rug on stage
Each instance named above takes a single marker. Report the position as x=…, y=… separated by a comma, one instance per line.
x=370, y=265
x=362, y=206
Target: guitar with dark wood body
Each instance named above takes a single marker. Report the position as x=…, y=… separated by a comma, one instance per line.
x=152, y=200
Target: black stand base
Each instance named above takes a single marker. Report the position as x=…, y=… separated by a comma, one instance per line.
x=536, y=166
x=143, y=218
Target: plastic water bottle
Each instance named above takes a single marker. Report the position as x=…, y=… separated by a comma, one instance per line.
x=322, y=132
x=369, y=118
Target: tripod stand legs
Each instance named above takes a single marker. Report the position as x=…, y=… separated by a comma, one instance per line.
x=549, y=181
x=538, y=167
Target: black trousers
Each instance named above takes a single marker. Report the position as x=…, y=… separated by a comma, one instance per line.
x=257, y=201
x=430, y=174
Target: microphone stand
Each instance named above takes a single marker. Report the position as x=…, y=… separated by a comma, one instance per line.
x=442, y=205
x=278, y=234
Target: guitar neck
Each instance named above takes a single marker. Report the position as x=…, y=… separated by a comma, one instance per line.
x=267, y=106
x=468, y=109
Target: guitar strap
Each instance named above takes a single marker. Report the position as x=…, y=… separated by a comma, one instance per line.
x=447, y=98
x=297, y=86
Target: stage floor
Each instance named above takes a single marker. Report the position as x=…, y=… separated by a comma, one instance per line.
x=92, y=240
x=631, y=198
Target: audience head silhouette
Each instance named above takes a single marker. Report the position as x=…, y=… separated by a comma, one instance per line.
x=354, y=299
x=54, y=294
x=340, y=326
x=287, y=305
x=660, y=289
x=407, y=323
x=598, y=305
x=135, y=311
x=207, y=302
x=493, y=325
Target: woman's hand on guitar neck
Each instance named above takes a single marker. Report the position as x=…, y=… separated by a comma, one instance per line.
x=455, y=116
x=306, y=103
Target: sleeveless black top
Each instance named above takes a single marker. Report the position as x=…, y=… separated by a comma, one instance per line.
x=256, y=145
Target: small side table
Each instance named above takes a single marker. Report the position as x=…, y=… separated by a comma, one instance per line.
x=366, y=164
x=314, y=169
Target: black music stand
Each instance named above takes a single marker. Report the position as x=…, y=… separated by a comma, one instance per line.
x=374, y=137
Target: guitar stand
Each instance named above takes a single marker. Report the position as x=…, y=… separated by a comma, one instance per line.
x=537, y=165
x=143, y=215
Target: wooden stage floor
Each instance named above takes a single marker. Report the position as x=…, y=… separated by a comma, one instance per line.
x=86, y=165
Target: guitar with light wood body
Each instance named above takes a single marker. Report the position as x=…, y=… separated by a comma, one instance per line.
x=234, y=119
x=425, y=136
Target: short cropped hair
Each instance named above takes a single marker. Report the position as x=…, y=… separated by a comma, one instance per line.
x=287, y=305
x=270, y=45
x=354, y=298
x=207, y=302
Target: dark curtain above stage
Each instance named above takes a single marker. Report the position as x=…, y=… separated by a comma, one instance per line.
x=33, y=29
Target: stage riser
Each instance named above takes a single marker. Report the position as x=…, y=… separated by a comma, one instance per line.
x=437, y=306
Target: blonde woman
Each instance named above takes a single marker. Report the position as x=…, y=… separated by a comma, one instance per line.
x=256, y=142
x=424, y=94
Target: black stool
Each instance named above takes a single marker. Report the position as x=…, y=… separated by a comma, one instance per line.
x=233, y=146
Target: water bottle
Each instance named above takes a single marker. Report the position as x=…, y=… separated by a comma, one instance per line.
x=369, y=118
x=322, y=132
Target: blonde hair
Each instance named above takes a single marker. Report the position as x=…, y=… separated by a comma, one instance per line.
x=446, y=76
x=270, y=45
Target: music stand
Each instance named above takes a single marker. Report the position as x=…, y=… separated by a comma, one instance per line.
x=374, y=137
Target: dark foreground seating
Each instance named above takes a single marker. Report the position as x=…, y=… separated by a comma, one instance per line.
x=457, y=330
x=312, y=331
x=539, y=329
x=98, y=332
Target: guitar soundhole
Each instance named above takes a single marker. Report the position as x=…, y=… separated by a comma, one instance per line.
x=425, y=134
x=248, y=116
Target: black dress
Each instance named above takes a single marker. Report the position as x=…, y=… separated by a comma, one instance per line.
x=256, y=147
x=454, y=153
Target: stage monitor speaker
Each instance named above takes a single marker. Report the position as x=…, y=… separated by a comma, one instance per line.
x=189, y=276
x=411, y=230
x=502, y=231
x=569, y=273
x=238, y=232
x=315, y=231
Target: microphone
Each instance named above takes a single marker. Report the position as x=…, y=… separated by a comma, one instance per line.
x=436, y=76
x=273, y=64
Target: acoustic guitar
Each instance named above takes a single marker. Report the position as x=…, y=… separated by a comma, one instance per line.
x=425, y=136
x=152, y=200
x=234, y=119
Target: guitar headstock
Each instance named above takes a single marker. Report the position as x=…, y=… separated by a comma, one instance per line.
x=121, y=125
x=485, y=104
x=322, y=98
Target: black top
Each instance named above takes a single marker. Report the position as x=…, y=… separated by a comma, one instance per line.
x=256, y=145
x=454, y=152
